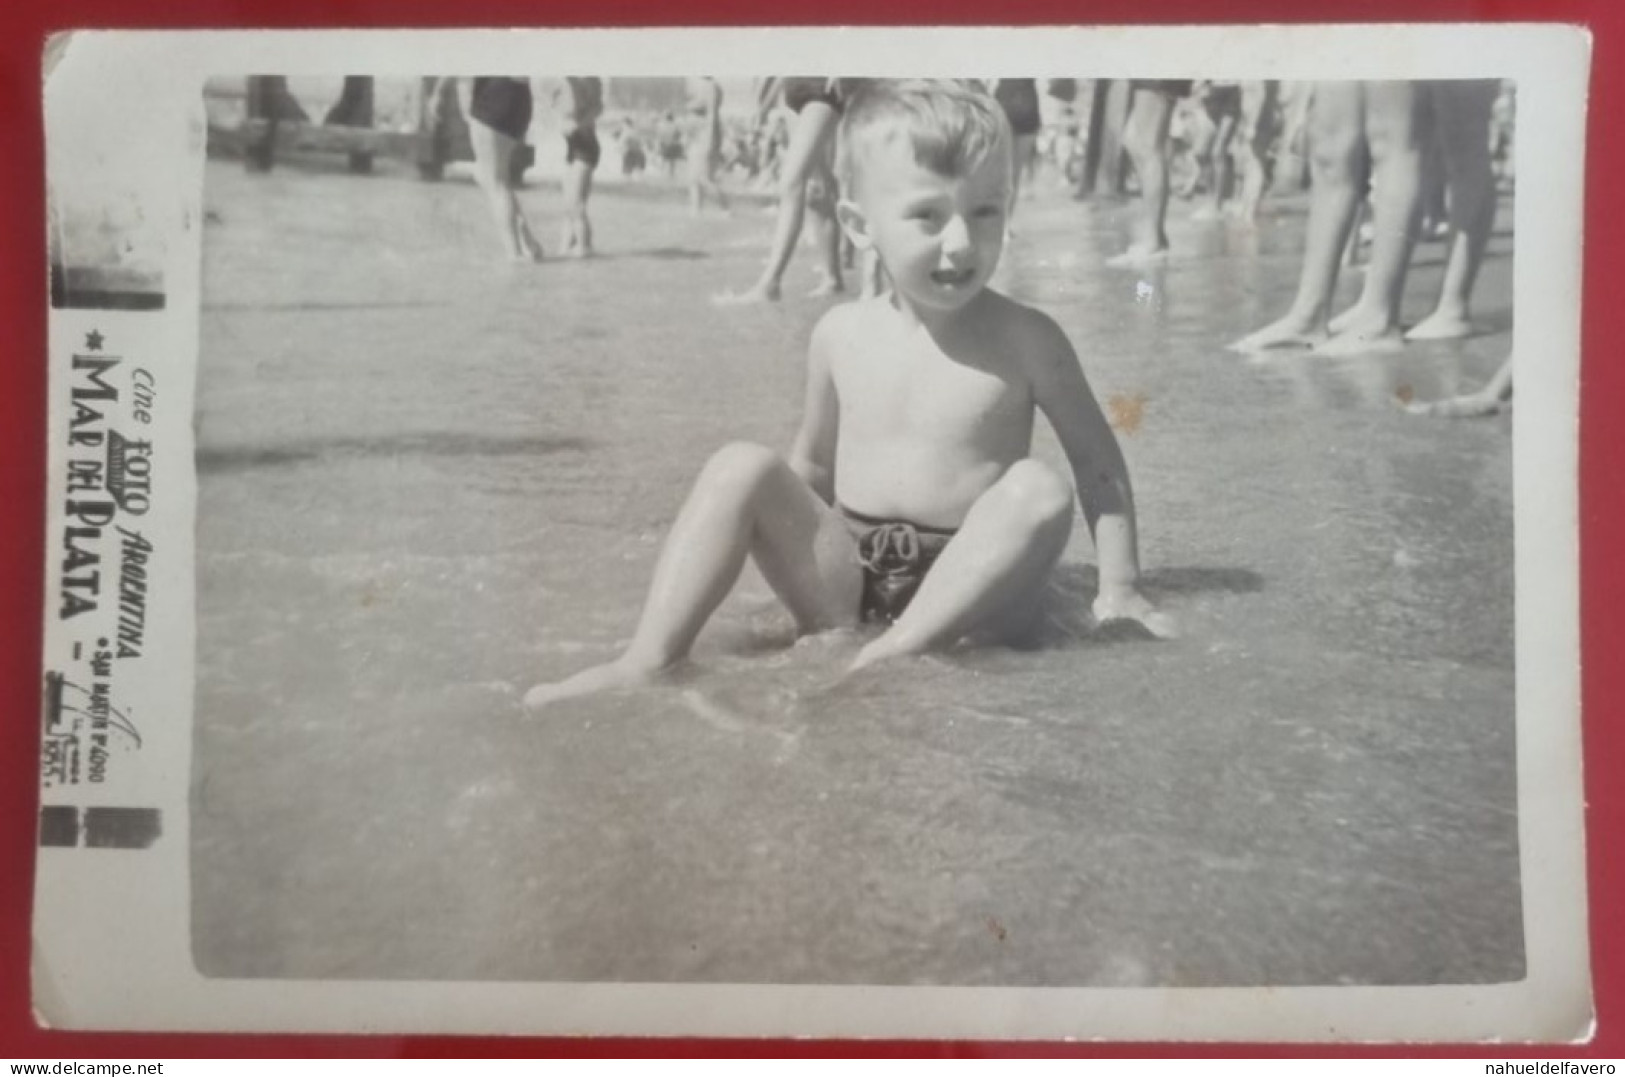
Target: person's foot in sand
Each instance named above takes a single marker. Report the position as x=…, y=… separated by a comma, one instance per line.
x=1290, y=333
x=1442, y=324
x=1362, y=340
x=1363, y=329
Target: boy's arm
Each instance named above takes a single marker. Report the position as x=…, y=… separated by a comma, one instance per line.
x=812, y=454
x=1063, y=395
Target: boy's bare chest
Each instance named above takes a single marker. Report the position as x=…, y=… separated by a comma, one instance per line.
x=902, y=389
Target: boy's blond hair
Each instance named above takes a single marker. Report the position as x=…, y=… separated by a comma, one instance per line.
x=953, y=126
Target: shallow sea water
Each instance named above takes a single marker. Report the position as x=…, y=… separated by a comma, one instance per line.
x=428, y=480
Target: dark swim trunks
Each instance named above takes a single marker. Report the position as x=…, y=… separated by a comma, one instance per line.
x=800, y=92
x=1019, y=99
x=582, y=145
x=503, y=105
x=1171, y=87
x=895, y=555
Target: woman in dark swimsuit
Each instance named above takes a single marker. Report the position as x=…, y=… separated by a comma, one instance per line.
x=499, y=114
x=806, y=184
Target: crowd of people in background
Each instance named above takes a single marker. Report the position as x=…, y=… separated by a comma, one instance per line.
x=1385, y=165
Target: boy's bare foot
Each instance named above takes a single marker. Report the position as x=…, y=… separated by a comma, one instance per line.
x=878, y=650
x=1138, y=258
x=1133, y=606
x=616, y=674
x=1441, y=325
x=759, y=293
x=1288, y=334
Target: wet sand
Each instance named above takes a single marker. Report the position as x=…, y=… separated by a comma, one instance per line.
x=429, y=480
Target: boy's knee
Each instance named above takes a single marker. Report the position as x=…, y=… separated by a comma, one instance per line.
x=1041, y=497
x=739, y=464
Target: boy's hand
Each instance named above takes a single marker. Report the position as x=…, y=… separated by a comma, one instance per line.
x=1128, y=604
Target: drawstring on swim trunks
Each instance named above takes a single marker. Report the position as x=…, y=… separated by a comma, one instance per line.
x=895, y=556
x=890, y=547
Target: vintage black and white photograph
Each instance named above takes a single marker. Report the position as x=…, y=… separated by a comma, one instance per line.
x=1004, y=526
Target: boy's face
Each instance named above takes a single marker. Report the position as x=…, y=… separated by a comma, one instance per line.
x=938, y=236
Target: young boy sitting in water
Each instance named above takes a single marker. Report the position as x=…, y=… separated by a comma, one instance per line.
x=909, y=496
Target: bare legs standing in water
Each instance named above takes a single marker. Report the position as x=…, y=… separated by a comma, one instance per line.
x=1358, y=129
x=1145, y=137
x=1462, y=112
x=806, y=186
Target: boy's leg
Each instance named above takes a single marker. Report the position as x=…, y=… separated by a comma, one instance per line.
x=1337, y=158
x=1396, y=130
x=746, y=501
x=999, y=560
x=1463, y=111
x=813, y=127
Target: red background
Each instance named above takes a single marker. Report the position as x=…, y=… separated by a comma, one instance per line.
x=22, y=468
